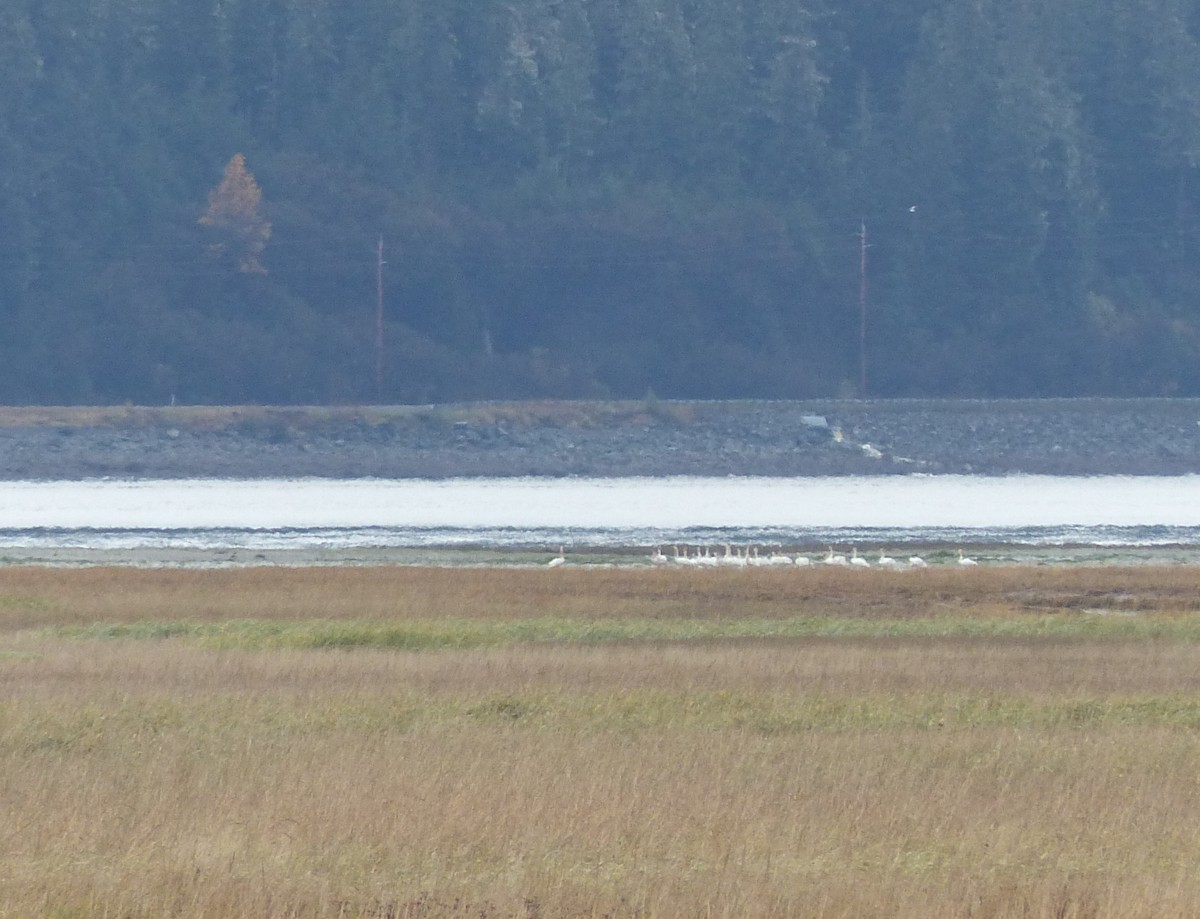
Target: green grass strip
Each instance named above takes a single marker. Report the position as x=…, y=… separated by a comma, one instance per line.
x=433, y=635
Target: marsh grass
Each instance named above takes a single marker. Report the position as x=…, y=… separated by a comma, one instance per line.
x=608, y=743
x=417, y=635
x=31, y=597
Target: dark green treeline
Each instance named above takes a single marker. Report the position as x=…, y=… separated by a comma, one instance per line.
x=585, y=198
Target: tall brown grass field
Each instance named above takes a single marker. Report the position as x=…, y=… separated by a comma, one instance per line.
x=665, y=759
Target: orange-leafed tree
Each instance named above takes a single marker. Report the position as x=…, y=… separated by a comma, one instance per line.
x=235, y=214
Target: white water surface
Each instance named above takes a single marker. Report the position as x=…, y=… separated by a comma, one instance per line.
x=1100, y=510
x=668, y=503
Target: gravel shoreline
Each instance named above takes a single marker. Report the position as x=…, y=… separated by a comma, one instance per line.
x=1059, y=437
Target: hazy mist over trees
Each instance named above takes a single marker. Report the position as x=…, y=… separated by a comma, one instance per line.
x=588, y=198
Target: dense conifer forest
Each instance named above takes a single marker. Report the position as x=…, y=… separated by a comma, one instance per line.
x=597, y=198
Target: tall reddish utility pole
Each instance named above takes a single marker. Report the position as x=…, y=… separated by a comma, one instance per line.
x=379, y=323
x=862, y=311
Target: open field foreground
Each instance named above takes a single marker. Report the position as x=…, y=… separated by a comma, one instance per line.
x=410, y=742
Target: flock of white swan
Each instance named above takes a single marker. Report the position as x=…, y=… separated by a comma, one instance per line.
x=750, y=557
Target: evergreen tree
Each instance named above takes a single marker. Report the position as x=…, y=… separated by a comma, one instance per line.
x=594, y=196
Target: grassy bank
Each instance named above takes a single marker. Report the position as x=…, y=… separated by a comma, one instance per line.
x=275, y=743
x=251, y=418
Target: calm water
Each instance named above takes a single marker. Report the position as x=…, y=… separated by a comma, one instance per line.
x=321, y=513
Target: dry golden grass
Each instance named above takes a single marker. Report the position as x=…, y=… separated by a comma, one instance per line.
x=902, y=777
x=218, y=417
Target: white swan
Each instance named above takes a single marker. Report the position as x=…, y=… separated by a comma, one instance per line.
x=732, y=559
x=886, y=561
x=915, y=561
x=831, y=559
x=560, y=559
x=858, y=561
x=966, y=562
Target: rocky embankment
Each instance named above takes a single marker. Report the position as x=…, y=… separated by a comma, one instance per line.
x=1078, y=437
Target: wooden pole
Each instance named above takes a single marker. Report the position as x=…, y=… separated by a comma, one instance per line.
x=379, y=323
x=862, y=312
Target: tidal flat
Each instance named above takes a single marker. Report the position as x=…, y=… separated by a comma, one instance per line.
x=599, y=741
